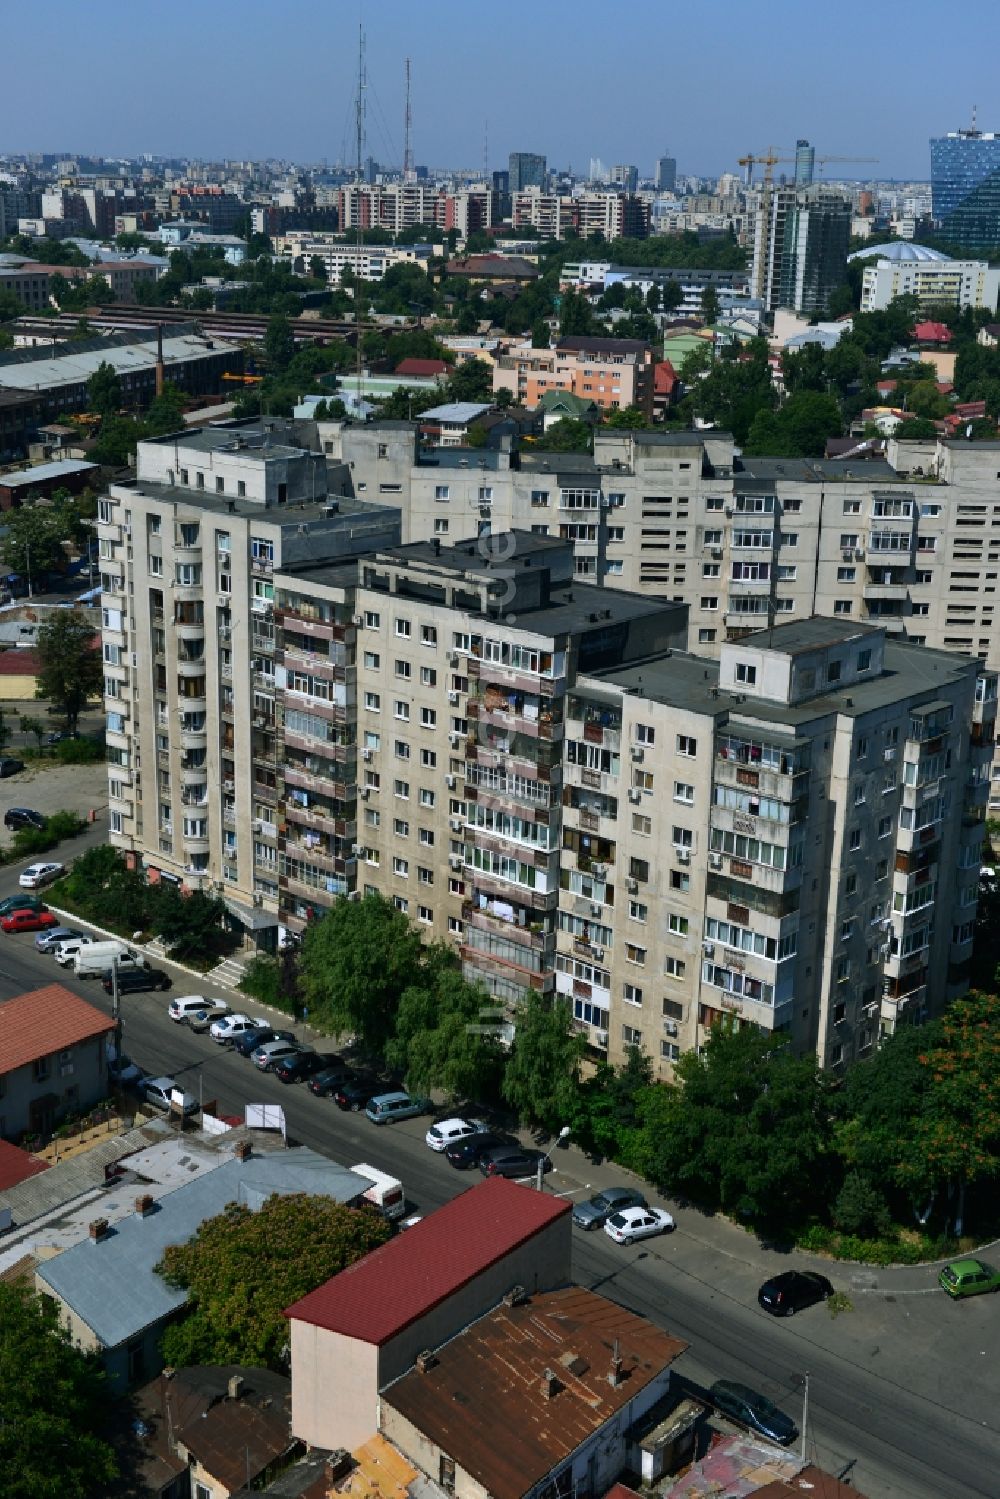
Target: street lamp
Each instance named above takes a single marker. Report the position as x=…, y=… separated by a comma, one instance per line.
x=563, y=1133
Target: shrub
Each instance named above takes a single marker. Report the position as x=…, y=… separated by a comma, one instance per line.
x=82, y=751
x=861, y=1210
x=261, y=980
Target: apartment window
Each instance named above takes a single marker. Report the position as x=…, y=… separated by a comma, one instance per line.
x=440, y=526
x=644, y=734
x=884, y=827
x=485, y=492
x=401, y=749
x=642, y=780
x=746, y=673
x=630, y=1036
x=155, y=566
x=403, y=629
x=428, y=676
x=851, y=885
x=683, y=792
x=241, y=489
x=686, y=745
x=428, y=759
x=642, y=825
x=428, y=718
x=789, y=538
x=373, y=621
x=403, y=670
x=861, y=747
x=678, y=926
x=401, y=789
x=539, y=497
x=401, y=867
x=631, y=994
x=706, y=637
x=637, y=911
x=638, y=869
x=787, y=572
x=711, y=569
x=199, y=480
x=372, y=660
x=854, y=840
x=709, y=601
x=846, y=574
x=373, y=702
x=841, y=606
x=848, y=541
x=401, y=710
x=428, y=635
x=616, y=569
x=442, y=491
x=679, y=880
x=424, y=913
x=674, y=968
x=852, y=507
x=427, y=798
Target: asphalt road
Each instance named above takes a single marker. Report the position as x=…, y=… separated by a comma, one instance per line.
x=905, y=1388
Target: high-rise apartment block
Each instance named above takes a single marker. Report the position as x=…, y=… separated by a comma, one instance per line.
x=800, y=244
x=526, y=169
x=529, y=765
x=625, y=176
x=666, y=174
x=965, y=187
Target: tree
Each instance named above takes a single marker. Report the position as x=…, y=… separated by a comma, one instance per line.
x=242, y=1269
x=671, y=296
x=104, y=390
x=36, y=726
x=504, y=398
x=471, y=381
x=443, y=1037
x=924, y=399
x=799, y=429
x=317, y=268
x=575, y=316
x=916, y=427
x=166, y=412
x=566, y=436
x=356, y=962
x=540, y=335
x=70, y=669
x=190, y=925
x=653, y=298
x=279, y=343
x=609, y=1105
x=542, y=1077
x=53, y=1404
x=709, y=304
x=629, y=417
x=11, y=307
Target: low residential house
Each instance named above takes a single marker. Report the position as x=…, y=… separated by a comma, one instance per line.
x=666, y=388
x=563, y=405
x=23, y=485
x=931, y=334
x=209, y=1431
x=541, y=1396
x=448, y=426
x=53, y=1059
x=365, y=1327
x=488, y=270
x=19, y=670
x=106, y=1288
x=752, y=1468
x=429, y=369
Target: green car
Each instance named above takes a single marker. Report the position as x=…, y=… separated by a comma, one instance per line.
x=21, y=903
x=968, y=1278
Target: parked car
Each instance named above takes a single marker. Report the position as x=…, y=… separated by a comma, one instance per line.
x=37, y=875
x=465, y=1153
x=513, y=1161
x=9, y=766
x=22, y=817
x=202, y=1020
x=270, y=1052
x=356, y=1093
x=228, y=1027
x=753, y=1410
x=65, y=951
x=305, y=1064
x=184, y=1005
x=158, y=1090
x=596, y=1211
x=632, y=1224
x=21, y=903
x=28, y=921
x=389, y=1108
x=968, y=1278
x=326, y=1083
x=449, y=1131
x=137, y=980
x=793, y=1290
x=123, y=1072
x=247, y=1043
x=49, y=940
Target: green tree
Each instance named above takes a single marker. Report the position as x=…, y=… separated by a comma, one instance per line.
x=924, y=399
x=443, y=1039
x=575, y=315
x=566, y=436
x=471, y=381
x=709, y=305
x=737, y=386
x=166, y=412
x=53, y=1405
x=190, y=925
x=117, y=442
x=70, y=669
x=629, y=417
x=356, y=962
x=540, y=335
x=202, y=299
x=36, y=726
x=861, y=1209
x=279, y=343
x=799, y=429
x=11, y=307
x=917, y=427
x=542, y=1078
x=242, y=1269
x=317, y=268
x=104, y=390
x=671, y=296
x=608, y=1113
x=653, y=298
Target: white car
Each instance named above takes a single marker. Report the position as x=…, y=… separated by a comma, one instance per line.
x=638, y=1223
x=67, y=951
x=275, y=1051
x=449, y=1131
x=37, y=875
x=228, y=1027
x=183, y=1006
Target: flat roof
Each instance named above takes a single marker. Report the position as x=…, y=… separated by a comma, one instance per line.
x=295, y=513
x=812, y=634
x=58, y=469
x=456, y=411
x=515, y=1394
x=816, y=470
x=75, y=367
x=376, y=1298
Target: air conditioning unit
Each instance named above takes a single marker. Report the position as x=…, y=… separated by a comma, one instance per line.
x=366, y=754
x=670, y=1026
x=595, y=909
x=455, y=861
x=364, y=793
x=359, y=621
x=859, y=555
x=601, y=1038
x=715, y=860
x=455, y=824
x=632, y=886
x=224, y=600
x=885, y=951
x=599, y=954
x=453, y=697
x=454, y=740
x=730, y=510
x=357, y=848
x=258, y=900
x=709, y=948
x=450, y=782
x=847, y=555
x=635, y=796
x=452, y=658
x=638, y=754
x=683, y=856
x=716, y=552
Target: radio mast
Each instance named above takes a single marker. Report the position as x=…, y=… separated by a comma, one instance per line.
x=408, y=173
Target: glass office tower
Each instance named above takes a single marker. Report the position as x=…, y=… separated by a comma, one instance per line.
x=965, y=187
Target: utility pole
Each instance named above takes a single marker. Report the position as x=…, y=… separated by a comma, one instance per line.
x=407, y=132
x=359, y=124
x=116, y=1014
x=805, y=1415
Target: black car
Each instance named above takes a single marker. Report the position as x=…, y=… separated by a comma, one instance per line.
x=9, y=766
x=785, y=1294
x=465, y=1153
x=136, y=980
x=248, y=1043
x=324, y=1083
x=303, y=1064
x=23, y=817
x=356, y=1092
x=513, y=1161
x=754, y=1411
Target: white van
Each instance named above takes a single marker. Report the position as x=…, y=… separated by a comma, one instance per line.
x=67, y=950
x=93, y=961
x=385, y=1192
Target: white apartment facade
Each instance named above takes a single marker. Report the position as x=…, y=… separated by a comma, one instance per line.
x=935, y=283
x=370, y=262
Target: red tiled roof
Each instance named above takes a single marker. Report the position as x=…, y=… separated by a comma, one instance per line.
x=17, y=1165
x=19, y=662
x=394, y=1285
x=664, y=378
x=44, y=1021
x=421, y=367
x=932, y=333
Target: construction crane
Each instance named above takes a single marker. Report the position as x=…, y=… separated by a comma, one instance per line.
x=821, y=161
x=769, y=160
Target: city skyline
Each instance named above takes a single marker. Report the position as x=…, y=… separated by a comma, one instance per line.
x=213, y=87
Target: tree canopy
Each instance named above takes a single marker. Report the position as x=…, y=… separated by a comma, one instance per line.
x=356, y=962
x=542, y=1077
x=70, y=668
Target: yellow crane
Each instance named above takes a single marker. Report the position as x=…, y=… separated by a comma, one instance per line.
x=769, y=159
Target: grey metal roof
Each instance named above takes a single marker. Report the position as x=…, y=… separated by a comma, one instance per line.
x=456, y=411
x=73, y=366
x=111, y=1285
x=59, y=469
x=67, y=1180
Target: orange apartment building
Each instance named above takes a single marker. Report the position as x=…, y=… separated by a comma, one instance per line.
x=613, y=372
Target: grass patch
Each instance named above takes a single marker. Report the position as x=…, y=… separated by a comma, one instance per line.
x=837, y=1303
x=28, y=843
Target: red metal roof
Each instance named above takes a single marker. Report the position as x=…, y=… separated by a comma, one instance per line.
x=44, y=1021
x=421, y=367
x=932, y=333
x=394, y=1285
x=20, y=662
x=664, y=378
x=17, y=1165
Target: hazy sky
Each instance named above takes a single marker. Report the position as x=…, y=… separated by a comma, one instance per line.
x=710, y=79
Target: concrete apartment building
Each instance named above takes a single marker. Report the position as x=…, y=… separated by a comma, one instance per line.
x=800, y=242
x=188, y=555
x=367, y=261
x=934, y=279
x=612, y=372
x=615, y=215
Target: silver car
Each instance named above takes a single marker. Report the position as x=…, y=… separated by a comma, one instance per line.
x=275, y=1051
x=597, y=1210
x=48, y=941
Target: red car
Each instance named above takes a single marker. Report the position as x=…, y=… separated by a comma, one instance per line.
x=28, y=921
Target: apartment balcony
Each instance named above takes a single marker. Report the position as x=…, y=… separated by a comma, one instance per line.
x=495, y=885
x=541, y=809
x=977, y=795
x=265, y=829
x=893, y=1008
x=190, y=631
x=265, y=791
x=492, y=674
x=787, y=786
x=195, y=844
x=762, y=876
x=729, y=820
x=593, y=731
x=194, y=739
x=508, y=717
x=302, y=624
x=320, y=820
x=593, y=780
x=890, y=592
x=194, y=702
x=517, y=754
x=320, y=749
x=884, y=553
x=531, y=936
x=262, y=645
x=229, y=816
x=262, y=566
x=192, y=775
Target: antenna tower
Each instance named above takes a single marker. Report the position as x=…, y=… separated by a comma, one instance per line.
x=359, y=234
x=486, y=151
x=407, y=132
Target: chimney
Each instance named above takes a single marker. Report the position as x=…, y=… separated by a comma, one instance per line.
x=234, y=1389
x=143, y=1205
x=516, y=1296
x=337, y=1464
x=615, y=1373
x=425, y=1360
x=159, y=359
x=550, y=1384
x=98, y=1229
x=243, y=1150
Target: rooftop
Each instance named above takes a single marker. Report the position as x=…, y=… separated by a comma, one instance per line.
x=898, y=249
x=376, y=1298
x=456, y=411
x=127, y=353
x=61, y=468
x=17, y=1165
x=580, y=345
x=44, y=1021
x=498, y=1371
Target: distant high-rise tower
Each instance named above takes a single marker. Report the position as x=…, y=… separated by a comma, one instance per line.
x=965, y=187
x=625, y=176
x=526, y=170
x=801, y=239
x=805, y=163
x=666, y=174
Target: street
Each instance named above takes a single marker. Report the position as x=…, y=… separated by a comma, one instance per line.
x=904, y=1384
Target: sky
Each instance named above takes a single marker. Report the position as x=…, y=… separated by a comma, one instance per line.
x=707, y=81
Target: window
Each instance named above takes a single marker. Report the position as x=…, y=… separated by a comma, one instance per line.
x=686, y=745
x=401, y=709
x=403, y=629
x=706, y=637
x=841, y=606
x=678, y=926
x=427, y=798
x=644, y=734
x=428, y=635
x=746, y=673
x=373, y=621
x=683, y=792
x=401, y=827
x=639, y=869
x=683, y=838
x=401, y=867
x=884, y=827
x=401, y=749
x=401, y=789
x=846, y=574
x=402, y=669
x=854, y=841
x=373, y=702
x=372, y=659
x=679, y=880
x=709, y=601
x=429, y=759
x=442, y=492
x=428, y=676
x=428, y=718
x=864, y=660
x=674, y=968
x=539, y=497
x=631, y=994
x=642, y=825
x=630, y=1036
